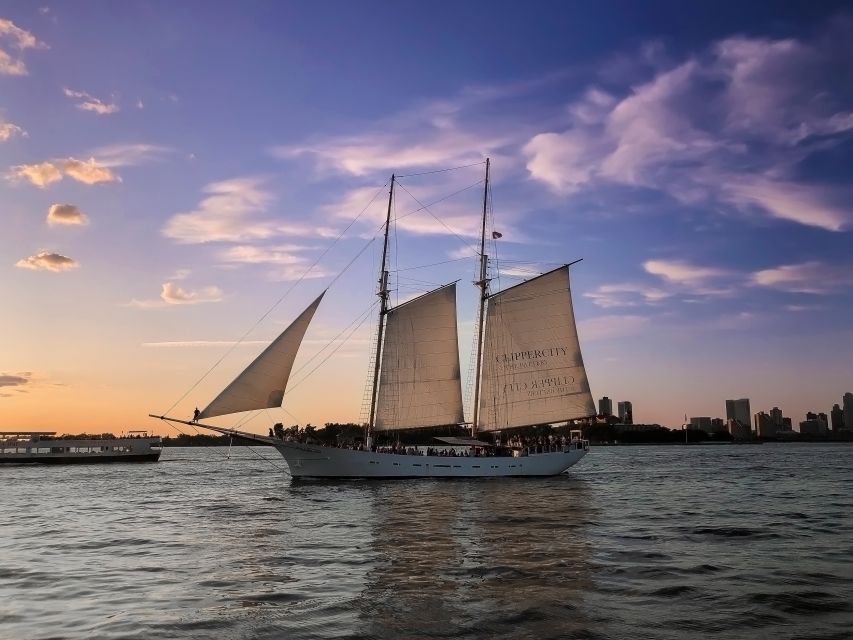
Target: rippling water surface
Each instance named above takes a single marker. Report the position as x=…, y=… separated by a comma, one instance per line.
x=636, y=542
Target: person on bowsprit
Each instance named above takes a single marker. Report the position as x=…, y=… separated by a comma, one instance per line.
x=196, y=414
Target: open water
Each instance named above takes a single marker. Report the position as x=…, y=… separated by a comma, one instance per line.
x=634, y=543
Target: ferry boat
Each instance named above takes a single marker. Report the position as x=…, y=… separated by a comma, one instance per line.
x=44, y=447
x=529, y=373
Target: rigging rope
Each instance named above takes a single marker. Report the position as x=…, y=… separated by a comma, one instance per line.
x=426, y=173
x=333, y=352
x=435, y=264
x=447, y=197
x=283, y=296
x=439, y=220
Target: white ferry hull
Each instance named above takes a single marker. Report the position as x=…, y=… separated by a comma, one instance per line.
x=81, y=451
x=313, y=461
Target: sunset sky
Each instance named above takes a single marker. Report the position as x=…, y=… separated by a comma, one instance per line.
x=169, y=171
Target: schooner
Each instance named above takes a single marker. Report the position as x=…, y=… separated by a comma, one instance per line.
x=529, y=371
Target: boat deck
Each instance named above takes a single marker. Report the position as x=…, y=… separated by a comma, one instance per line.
x=43, y=447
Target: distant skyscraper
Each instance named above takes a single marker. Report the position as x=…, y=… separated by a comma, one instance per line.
x=605, y=407
x=738, y=430
x=776, y=416
x=718, y=425
x=812, y=427
x=764, y=425
x=739, y=410
x=837, y=417
x=848, y=411
x=701, y=422
x=626, y=412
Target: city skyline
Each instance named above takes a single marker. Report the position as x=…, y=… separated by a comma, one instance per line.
x=740, y=409
x=167, y=181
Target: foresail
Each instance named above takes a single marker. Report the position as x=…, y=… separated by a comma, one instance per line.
x=533, y=371
x=419, y=384
x=261, y=385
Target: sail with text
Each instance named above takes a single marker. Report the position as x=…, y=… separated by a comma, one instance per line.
x=261, y=385
x=533, y=371
x=419, y=384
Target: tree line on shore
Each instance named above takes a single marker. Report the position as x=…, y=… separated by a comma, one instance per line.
x=336, y=433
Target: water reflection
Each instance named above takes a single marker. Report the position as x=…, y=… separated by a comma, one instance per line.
x=480, y=557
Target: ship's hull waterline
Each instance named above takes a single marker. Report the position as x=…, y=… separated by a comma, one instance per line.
x=79, y=458
x=314, y=461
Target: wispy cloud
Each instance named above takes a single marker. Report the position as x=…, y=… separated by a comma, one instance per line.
x=363, y=155
x=626, y=295
x=205, y=343
x=802, y=203
x=130, y=154
x=19, y=382
x=428, y=136
x=180, y=274
x=173, y=295
x=15, y=380
x=66, y=214
x=88, y=171
x=675, y=278
x=40, y=175
x=728, y=126
x=88, y=102
x=232, y=211
x=14, y=38
x=251, y=254
x=9, y=131
x=611, y=327
x=47, y=261
x=227, y=213
x=286, y=261
x=684, y=273
x=807, y=277
x=46, y=173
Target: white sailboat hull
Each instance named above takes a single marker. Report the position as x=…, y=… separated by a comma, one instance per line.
x=314, y=461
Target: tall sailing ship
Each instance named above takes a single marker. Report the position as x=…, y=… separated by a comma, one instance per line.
x=529, y=372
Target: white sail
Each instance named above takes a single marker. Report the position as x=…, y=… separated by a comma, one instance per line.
x=533, y=371
x=419, y=384
x=261, y=385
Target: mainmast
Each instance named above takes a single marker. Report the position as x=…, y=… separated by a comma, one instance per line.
x=383, y=309
x=483, y=283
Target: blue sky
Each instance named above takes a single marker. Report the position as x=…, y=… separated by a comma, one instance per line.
x=169, y=171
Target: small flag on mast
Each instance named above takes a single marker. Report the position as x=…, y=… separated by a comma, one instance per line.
x=496, y=235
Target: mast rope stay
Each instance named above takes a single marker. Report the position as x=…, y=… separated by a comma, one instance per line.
x=358, y=322
x=435, y=264
x=361, y=320
x=427, y=173
x=426, y=208
x=251, y=449
x=283, y=296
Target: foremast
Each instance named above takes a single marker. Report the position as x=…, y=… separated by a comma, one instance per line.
x=483, y=284
x=383, y=310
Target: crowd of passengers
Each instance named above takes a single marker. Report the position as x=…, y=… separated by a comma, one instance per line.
x=531, y=444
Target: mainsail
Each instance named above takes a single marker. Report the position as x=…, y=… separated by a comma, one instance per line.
x=261, y=385
x=533, y=370
x=419, y=385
